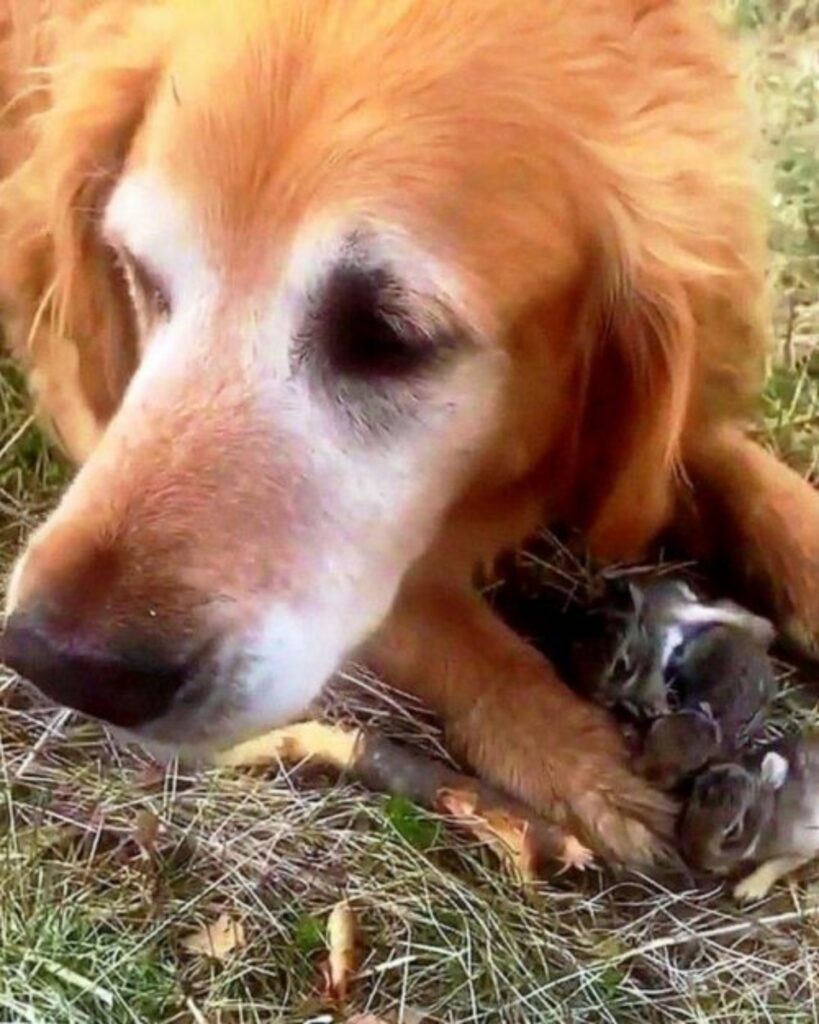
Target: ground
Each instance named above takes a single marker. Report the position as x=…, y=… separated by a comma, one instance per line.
x=107, y=864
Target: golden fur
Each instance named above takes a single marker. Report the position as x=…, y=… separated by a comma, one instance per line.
x=581, y=164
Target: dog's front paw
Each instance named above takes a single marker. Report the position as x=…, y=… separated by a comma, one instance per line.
x=566, y=759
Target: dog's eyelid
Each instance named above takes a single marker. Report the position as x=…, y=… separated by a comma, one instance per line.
x=364, y=323
x=154, y=287
x=147, y=280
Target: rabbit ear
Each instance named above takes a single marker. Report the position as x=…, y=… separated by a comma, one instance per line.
x=686, y=592
x=761, y=629
x=774, y=771
x=637, y=596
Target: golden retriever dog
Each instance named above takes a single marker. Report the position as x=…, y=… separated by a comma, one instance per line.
x=334, y=301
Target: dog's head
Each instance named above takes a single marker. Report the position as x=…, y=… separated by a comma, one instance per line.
x=307, y=277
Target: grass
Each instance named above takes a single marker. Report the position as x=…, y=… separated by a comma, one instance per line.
x=94, y=913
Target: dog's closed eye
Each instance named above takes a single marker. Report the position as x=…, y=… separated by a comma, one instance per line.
x=149, y=295
x=363, y=325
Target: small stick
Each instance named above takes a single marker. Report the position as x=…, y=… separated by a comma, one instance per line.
x=527, y=840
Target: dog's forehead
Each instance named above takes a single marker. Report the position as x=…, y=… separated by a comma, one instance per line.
x=291, y=116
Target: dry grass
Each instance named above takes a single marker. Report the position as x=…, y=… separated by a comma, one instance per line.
x=90, y=925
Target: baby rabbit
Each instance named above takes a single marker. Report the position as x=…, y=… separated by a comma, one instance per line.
x=719, y=682
x=649, y=633
x=700, y=671
x=655, y=638
x=763, y=812
x=678, y=745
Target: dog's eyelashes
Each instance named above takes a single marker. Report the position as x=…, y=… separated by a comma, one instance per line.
x=148, y=293
x=153, y=290
x=360, y=326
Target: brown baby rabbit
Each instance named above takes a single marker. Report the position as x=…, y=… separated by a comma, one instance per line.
x=762, y=813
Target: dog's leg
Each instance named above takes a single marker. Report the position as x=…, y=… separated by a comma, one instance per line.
x=518, y=724
x=750, y=509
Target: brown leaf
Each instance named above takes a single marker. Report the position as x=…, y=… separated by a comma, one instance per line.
x=328, y=744
x=576, y=856
x=146, y=830
x=151, y=778
x=510, y=837
x=218, y=940
x=341, y=961
x=413, y=1016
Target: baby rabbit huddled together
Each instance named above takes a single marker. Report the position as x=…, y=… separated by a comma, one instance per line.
x=698, y=680
x=762, y=811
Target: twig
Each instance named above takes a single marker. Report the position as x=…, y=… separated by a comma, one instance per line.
x=387, y=767
x=85, y=985
x=679, y=938
x=15, y=437
x=53, y=727
x=195, y=1012
x=721, y=932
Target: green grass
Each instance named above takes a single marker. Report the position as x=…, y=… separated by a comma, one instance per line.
x=91, y=924
x=784, y=68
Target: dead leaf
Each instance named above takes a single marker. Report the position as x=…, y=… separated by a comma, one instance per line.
x=151, y=778
x=408, y=1015
x=413, y=1016
x=218, y=940
x=146, y=831
x=510, y=837
x=328, y=744
x=341, y=962
x=576, y=856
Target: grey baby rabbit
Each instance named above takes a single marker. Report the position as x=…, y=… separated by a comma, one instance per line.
x=701, y=671
x=762, y=813
x=720, y=682
x=656, y=634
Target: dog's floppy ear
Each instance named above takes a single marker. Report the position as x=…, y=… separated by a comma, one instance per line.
x=638, y=361
x=66, y=307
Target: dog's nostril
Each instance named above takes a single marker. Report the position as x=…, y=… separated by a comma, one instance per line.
x=127, y=687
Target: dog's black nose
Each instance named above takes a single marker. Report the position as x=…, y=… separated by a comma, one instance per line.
x=128, y=685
